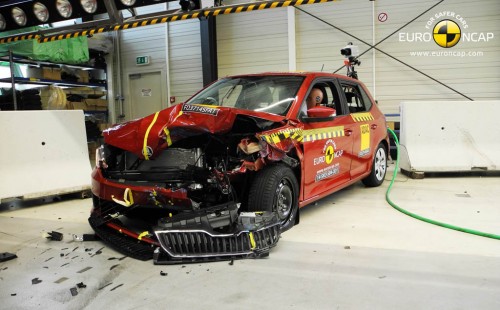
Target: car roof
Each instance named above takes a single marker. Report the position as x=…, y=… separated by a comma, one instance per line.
x=298, y=73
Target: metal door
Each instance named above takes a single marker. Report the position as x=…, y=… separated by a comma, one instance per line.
x=146, y=96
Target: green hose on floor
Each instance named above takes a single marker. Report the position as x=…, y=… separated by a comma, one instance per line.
x=418, y=217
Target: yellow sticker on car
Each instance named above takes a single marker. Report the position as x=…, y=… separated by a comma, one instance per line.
x=365, y=140
x=362, y=117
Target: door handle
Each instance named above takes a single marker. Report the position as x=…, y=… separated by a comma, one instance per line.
x=348, y=132
x=374, y=126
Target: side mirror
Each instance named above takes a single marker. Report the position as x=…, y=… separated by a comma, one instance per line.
x=319, y=114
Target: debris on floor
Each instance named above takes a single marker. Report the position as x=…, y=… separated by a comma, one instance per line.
x=36, y=281
x=163, y=273
x=104, y=286
x=84, y=269
x=81, y=285
x=5, y=256
x=54, y=236
x=74, y=290
x=60, y=280
x=85, y=237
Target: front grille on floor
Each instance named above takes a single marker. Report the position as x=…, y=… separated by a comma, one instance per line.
x=202, y=244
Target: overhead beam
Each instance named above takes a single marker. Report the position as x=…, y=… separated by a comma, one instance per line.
x=208, y=12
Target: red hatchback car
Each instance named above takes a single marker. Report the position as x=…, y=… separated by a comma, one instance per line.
x=223, y=174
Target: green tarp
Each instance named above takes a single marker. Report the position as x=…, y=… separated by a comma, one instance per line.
x=70, y=51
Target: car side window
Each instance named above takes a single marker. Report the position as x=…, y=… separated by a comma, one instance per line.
x=329, y=98
x=355, y=100
x=366, y=99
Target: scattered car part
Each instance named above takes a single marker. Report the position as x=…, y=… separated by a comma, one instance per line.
x=6, y=256
x=54, y=235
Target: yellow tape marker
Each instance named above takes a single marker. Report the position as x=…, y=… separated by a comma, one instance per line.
x=167, y=134
x=128, y=198
x=253, y=245
x=142, y=235
x=145, y=145
x=362, y=117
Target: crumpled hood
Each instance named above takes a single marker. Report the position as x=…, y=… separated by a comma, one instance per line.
x=146, y=136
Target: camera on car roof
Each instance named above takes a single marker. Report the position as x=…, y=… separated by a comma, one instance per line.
x=350, y=50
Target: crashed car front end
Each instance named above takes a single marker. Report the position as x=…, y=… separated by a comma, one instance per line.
x=172, y=186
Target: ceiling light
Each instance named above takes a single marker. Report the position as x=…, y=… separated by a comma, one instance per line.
x=64, y=8
x=19, y=16
x=128, y=2
x=89, y=6
x=2, y=22
x=41, y=12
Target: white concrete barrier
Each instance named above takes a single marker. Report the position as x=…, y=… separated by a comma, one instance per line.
x=43, y=153
x=449, y=136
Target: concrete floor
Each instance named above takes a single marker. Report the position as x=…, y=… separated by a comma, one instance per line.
x=350, y=251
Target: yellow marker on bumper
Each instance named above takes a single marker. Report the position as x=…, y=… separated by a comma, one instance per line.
x=143, y=234
x=128, y=198
x=253, y=245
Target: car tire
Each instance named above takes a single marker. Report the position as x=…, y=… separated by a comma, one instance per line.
x=379, y=167
x=275, y=189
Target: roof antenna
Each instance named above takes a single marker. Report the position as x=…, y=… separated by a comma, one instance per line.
x=322, y=67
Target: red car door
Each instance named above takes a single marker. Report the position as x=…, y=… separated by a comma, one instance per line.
x=327, y=145
x=362, y=122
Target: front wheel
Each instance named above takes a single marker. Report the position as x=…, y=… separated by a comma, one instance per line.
x=379, y=168
x=275, y=189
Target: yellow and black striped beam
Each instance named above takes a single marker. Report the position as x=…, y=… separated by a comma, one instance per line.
x=215, y=11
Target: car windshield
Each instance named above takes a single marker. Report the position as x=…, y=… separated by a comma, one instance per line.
x=271, y=94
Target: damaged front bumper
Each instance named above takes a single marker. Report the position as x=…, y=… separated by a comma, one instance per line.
x=212, y=234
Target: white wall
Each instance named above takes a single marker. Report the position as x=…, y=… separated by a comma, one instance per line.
x=252, y=42
x=174, y=50
x=184, y=56
x=259, y=41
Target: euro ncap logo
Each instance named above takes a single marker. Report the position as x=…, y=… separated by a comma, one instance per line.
x=446, y=33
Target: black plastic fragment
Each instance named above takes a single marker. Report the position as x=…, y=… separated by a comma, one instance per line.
x=163, y=273
x=36, y=281
x=5, y=256
x=55, y=236
x=81, y=285
x=90, y=237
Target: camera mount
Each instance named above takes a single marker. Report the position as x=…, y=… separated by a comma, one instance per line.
x=351, y=54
